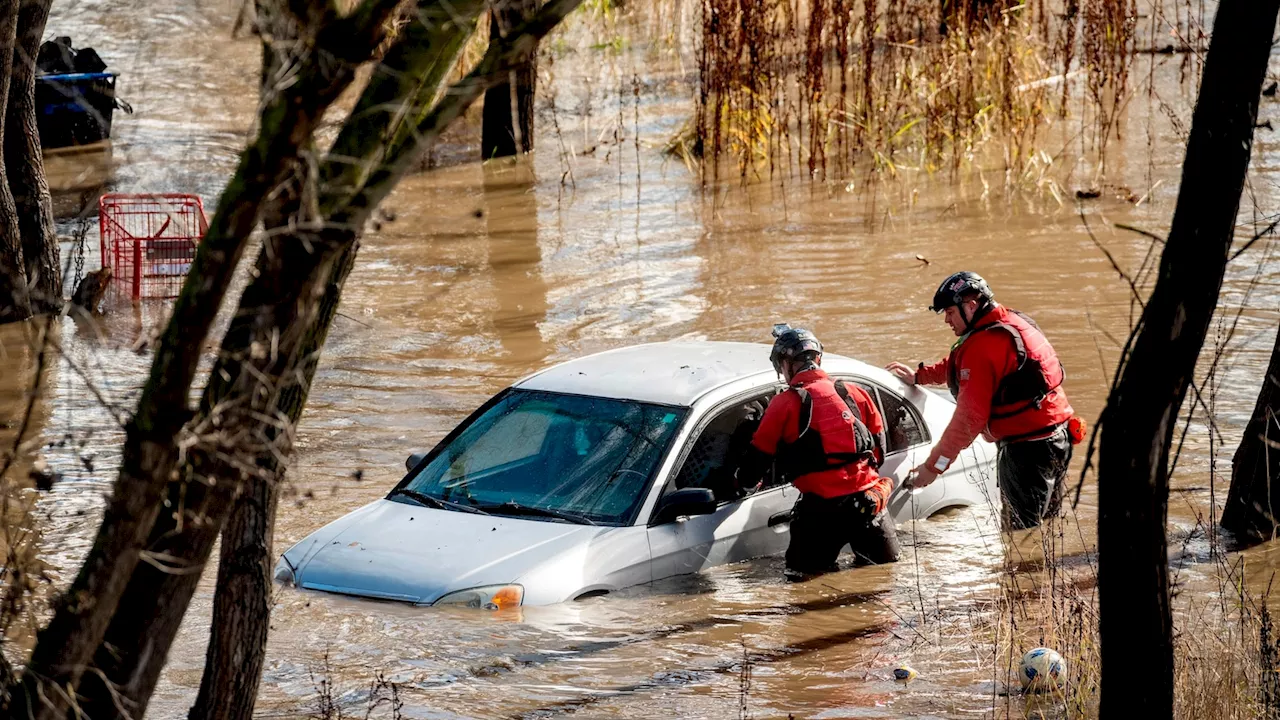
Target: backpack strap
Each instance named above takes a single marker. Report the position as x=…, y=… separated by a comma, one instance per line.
x=844, y=394
x=806, y=410
x=1019, y=346
x=877, y=439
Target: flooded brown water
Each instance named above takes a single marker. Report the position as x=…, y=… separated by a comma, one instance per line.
x=481, y=279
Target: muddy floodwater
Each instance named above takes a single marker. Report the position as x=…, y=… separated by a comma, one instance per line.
x=481, y=279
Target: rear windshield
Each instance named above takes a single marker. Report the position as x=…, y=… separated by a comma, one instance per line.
x=550, y=456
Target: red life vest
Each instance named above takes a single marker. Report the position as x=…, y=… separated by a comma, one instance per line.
x=1038, y=373
x=832, y=433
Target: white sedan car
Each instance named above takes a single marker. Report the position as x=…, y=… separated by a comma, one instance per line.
x=606, y=472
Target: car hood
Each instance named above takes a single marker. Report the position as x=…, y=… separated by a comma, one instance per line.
x=397, y=551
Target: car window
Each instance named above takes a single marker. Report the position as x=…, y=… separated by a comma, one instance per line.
x=713, y=456
x=529, y=452
x=902, y=426
x=512, y=437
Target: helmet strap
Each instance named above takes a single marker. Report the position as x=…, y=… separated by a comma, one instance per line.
x=787, y=361
x=979, y=312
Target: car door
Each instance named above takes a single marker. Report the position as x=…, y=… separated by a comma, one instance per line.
x=906, y=444
x=740, y=528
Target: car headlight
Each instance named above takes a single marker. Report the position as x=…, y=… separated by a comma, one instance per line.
x=489, y=597
x=284, y=572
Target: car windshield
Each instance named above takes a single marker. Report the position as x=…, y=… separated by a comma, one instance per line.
x=567, y=458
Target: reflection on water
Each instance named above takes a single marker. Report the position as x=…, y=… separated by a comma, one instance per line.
x=74, y=171
x=515, y=258
x=482, y=274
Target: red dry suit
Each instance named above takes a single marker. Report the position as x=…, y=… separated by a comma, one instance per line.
x=834, y=457
x=1007, y=382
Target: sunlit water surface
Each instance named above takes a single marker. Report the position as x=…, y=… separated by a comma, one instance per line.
x=469, y=289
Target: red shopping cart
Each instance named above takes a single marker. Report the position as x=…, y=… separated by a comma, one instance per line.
x=149, y=241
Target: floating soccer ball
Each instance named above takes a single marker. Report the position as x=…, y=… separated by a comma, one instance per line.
x=1041, y=670
x=904, y=673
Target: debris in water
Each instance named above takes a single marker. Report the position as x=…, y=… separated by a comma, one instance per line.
x=93, y=286
x=922, y=258
x=904, y=673
x=1124, y=192
x=1089, y=194
x=42, y=476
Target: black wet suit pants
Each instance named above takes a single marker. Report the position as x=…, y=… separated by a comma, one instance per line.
x=821, y=527
x=1031, y=475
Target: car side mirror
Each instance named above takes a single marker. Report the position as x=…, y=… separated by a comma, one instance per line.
x=413, y=461
x=686, y=501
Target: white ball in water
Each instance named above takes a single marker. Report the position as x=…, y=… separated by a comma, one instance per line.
x=1042, y=669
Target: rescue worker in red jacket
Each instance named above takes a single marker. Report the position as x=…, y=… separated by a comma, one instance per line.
x=827, y=438
x=1007, y=382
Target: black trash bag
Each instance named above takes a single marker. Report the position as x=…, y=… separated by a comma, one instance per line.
x=56, y=56
x=88, y=61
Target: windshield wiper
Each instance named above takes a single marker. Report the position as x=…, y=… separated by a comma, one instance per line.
x=435, y=502
x=514, y=508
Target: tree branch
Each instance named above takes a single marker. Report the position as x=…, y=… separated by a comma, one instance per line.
x=289, y=118
x=498, y=61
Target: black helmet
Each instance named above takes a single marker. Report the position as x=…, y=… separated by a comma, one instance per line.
x=791, y=343
x=953, y=290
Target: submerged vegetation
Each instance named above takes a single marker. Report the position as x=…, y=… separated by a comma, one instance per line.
x=827, y=88
x=822, y=89
x=1226, y=661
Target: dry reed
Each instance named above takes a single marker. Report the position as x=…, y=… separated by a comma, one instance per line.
x=831, y=87
x=1226, y=656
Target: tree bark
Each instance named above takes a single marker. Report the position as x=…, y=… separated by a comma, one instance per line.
x=242, y=605
x=264, y=349
x=14, y=304
x=242, y=608
x=243, y=387
x=1253, y=502
x=279, y=308
x=505, y=132
x=81, y=617
x=408, y=80
x=1142, y=410
x=24, y=163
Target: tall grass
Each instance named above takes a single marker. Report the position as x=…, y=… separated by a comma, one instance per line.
x=830, y=87
x=1227, y=663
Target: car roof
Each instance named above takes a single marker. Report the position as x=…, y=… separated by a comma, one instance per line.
x=671, y=373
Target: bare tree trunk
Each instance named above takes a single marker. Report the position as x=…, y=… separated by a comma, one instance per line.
x=65, y=647
x=1142, y=410
x=142, y=630
x=282, y=309
x=242, y=605
x=505, y=131
x=242, y=601
x=14, y=304
x=1253, y=502
x=24, y=163
x=234, y=661
x=242, y=608
x=277, y=314
x=238, y=638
